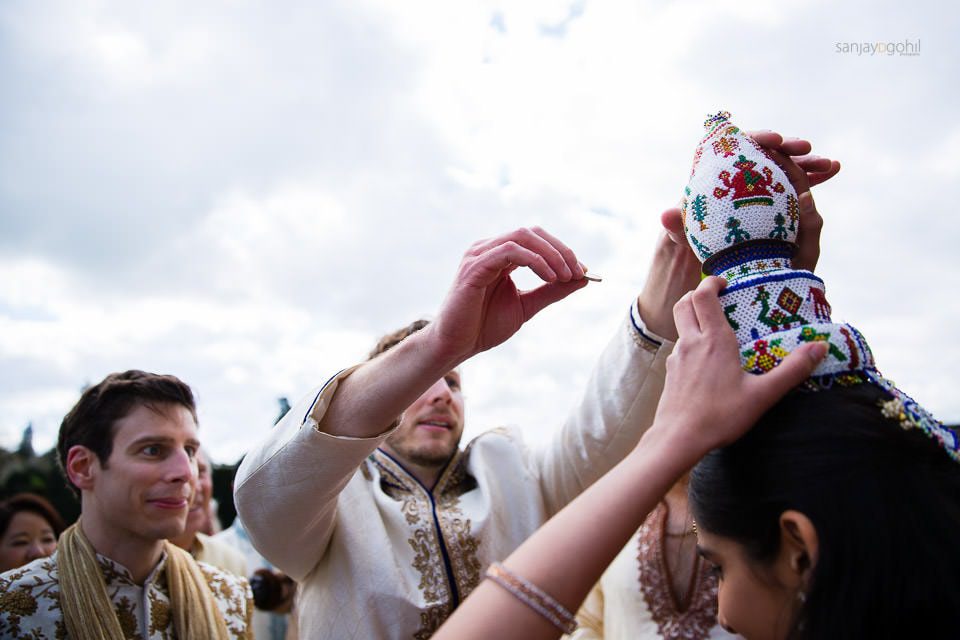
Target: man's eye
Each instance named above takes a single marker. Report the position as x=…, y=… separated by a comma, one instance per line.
x=452, y=382
x=151, y=450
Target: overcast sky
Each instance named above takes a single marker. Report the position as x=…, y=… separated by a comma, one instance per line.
x=246, y=194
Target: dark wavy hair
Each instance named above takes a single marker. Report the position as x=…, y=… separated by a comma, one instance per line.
x=91, y=421
x=32, y=503
x=885, y=502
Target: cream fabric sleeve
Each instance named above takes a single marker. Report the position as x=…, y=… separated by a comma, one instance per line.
x=286, y=488
x=590, y=617
x=617, y=406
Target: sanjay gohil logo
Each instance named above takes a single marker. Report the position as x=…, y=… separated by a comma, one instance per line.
x=879, y=48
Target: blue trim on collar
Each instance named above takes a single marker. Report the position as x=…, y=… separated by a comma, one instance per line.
x=445, y=554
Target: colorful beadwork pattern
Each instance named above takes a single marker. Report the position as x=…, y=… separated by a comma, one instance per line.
x=731, y=176
x=775, y=300
x=761, y=253
x=911, y=415
x=741, y=217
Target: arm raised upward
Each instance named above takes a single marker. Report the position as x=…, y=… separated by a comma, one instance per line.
x=482, y=309
x=569, y=553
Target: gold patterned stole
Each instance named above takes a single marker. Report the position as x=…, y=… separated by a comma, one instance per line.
x=88, y=613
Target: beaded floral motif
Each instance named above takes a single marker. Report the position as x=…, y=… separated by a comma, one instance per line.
x=910, y=415
x=730, y=177
x=764, y=355
x=726, y=146
x=750, y=187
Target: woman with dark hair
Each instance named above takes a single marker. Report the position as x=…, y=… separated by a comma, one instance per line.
x=846, y=521
x=532, y=593
x=835, y=517
x=29, y=528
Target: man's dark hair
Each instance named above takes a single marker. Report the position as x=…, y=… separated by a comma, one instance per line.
x=32, y=503
x=393, y=339
x=91, y=421
x=885, y=503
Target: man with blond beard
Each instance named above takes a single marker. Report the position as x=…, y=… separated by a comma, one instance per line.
x=386, y=523
x=384, y=520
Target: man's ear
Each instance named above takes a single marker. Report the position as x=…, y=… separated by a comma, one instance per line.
x=82, y=466
x=798, y=550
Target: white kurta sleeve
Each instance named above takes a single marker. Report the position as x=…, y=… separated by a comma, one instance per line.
x=618, y=405
x=287, y=487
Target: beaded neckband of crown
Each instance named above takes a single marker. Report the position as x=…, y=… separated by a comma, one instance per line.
x=911, y=415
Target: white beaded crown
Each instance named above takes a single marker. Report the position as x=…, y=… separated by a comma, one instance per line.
x=741, y=216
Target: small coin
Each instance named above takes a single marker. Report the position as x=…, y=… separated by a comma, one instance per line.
x=592, y=277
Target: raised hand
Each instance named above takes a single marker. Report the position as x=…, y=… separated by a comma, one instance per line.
x=673, y=271
x=708, y=401
x=707, y=395
x=793, y=155
x=484, y=307
x=804, y=170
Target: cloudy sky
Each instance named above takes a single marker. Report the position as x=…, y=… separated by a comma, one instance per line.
x=248, y=193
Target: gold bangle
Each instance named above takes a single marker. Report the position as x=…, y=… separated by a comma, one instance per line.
x=534, y=597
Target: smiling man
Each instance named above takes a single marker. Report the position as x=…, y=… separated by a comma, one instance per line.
x=128, y=449
x=362, y=493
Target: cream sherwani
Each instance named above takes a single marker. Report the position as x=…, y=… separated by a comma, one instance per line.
x=380, y=556
x=30, y=601
x=219, y=554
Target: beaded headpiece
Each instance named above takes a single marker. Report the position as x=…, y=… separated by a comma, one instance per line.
x=741, y=217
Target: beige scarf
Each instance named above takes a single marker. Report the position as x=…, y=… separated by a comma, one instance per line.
x=89, y=614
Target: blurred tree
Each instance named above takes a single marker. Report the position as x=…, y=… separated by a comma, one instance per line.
x=40, y=475
x=26, y=442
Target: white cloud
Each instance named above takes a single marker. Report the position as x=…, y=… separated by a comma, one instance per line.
x=247, y=197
